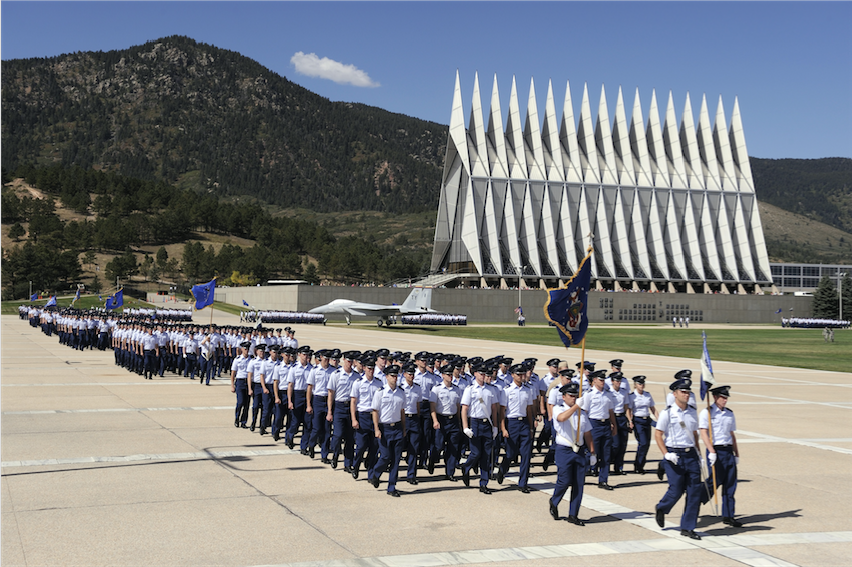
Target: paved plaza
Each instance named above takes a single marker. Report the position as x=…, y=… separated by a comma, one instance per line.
x=101, y=467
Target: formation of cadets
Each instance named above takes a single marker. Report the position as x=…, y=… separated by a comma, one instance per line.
x=277, y=317
x=814, y=323
x=474, y=417
x=434, y=319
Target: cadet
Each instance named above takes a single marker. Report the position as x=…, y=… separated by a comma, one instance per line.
x=480, y=410
x=413, y=438
x=551, y=376
x=445, y=403
x=677, y=438
x=389, y=428
x=279, y=387
x=239, y=385
x=723, y=455
x=623, y=418
x=297, y=394
x=361, y=412
x=339, y=389
x=317, y=397
x=520, y=419
x=570, y=452
x=268, y=384
x=256, y=385
x=643, y=409
x=598, y=403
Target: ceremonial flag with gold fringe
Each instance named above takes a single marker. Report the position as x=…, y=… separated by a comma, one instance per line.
x=566, y=306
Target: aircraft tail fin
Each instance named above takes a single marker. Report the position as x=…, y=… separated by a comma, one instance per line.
x=419, y=300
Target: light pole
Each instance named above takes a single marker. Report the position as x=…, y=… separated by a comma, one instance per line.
x=840, y=293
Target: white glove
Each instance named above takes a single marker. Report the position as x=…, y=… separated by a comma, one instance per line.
x=672, y=457
x=593, y=459
x=711, y=459
x=469, y=432
x=493, y=432
x=736, y=460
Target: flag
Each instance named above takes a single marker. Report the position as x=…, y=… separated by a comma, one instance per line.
x=76, y=297
x=707, y=379
x=51, y=302
x=33, y=297
x=246, y=303
x=203, y=294
x=115, y=300
x=777, y=312
x=566, y=307
x=519, y=310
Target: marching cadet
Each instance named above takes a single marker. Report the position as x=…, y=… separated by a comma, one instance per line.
x=615, y=366
x=413, y=437
x=723, y=455
x=317, y=397
x=480, y=410
x=548, y=379
x=584, y=371
x=268, y=384
x=239, y=385
x=339, y=399
x=426, y=379
x=598, y=403
x=643, y=408
x=554, y=398
x=444, y=405
x=570, y=452
x=389, y=428
x=148, y=346
x=361, y=412
x=297, y=395
x=520, y=426
x=279, y=386
x=677, y=438
x=623, y=418
x=255, y=383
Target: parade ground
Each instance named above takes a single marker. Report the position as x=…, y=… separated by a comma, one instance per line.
x=102, y=467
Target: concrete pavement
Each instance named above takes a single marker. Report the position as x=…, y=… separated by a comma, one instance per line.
x=100, y=467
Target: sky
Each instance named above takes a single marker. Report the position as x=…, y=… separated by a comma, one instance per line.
x=789, y=64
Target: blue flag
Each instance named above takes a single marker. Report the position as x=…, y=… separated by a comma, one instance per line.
x=707, y=379
x=76, y=297
x=33, y=297
x=777, y=312
x=566, y=307
x=115, y=300
x=246, y=303
x=203, y=294
x=51, y=302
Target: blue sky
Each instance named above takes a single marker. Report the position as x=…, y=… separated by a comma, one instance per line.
x=790, y=63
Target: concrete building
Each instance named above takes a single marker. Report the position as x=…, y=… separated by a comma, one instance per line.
x=667, y=205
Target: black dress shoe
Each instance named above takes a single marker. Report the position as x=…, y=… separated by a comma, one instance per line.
x=732, y=522
x=276, y=436
x=303, y=452
x=236, y=424
x=334, y=460
x=289, y=443
x=616, y=473
x=604, y=485
x=640, y=471
x=554, y=511
x=347, y=469
x=466, y=477
x=394, y=493
x=661, y=472
x=251, y=428
x=355, y=473
x=576, y=521
x=263, y=432
x=325, y=461
x=526, y=489
x=451, y=478
x=485, y=490
x=660, y=517
x=311, y=452
x=243, y=426
x=500, y=476
x=690, y=534
x=431, y=467
x=413, y=481
x=374, y=481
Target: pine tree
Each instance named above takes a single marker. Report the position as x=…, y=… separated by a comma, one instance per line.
x=825, y=299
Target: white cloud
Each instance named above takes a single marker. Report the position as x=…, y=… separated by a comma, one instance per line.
x=325, y=68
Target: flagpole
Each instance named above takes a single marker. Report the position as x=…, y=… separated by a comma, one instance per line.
x=710, y=434
x=582, y=369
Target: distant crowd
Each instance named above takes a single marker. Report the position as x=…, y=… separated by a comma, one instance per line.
x=269, y=316
x=814, y=323
x=434, y=319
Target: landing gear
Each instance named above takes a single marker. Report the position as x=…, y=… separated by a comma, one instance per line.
x=379, y=322
x=348, y=320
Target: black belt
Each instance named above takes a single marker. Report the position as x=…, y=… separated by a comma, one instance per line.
x=601, y=420
x=481, y=420
x=321, y=397
x=450, y=416
x=392, y=425
x=723, y=447
x=522, y=418
x=678, y=449
x=412, y=415
x=619, y=415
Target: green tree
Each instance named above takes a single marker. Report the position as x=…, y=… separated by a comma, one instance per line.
x=847, y=295
x=310, y=274
x=122, y=266
x=825, y=299
x=16, y=231
x=162, y=257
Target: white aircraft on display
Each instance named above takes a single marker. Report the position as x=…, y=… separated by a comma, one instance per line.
x=418, y=301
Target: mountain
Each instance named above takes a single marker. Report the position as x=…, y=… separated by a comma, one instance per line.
x=208, y=119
